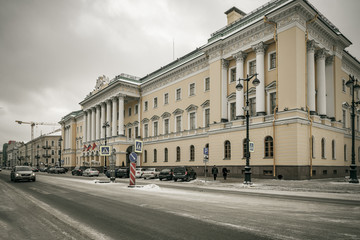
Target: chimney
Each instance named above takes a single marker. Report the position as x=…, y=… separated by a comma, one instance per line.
x=234, y=14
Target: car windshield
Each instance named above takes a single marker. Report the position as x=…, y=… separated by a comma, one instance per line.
x=23, y=169
x=122, y=170
x=166, y=170
x=179, y=169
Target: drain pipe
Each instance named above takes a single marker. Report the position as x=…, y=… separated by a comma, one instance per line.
x=277, y=92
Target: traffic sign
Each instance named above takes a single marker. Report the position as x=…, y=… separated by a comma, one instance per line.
x=105, y=151
x=138, y=146
x=206, y=158
x=133, y=157
x=206, y=151
x=251, y=147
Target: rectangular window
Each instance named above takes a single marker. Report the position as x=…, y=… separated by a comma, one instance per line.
x=192, y=121
x=53, y=143
x=207, y=117
x=207, y=84
x=129, y=110
x=192, y=89
x=343, y=85
x=136, y=109
x=146, y=105
x=344, y=119
x=178, y=94
x=252, y=67
x=232, y=111
x=129, y=133
x=252, y=106
x=155, y=102
x=166, y=126
x=146, y=130
x=166, y=98
x=136, y=132
x=52, y=152
x=178, y=124
x=272, y=61
x=155, y=128
x=272, y=102
x=233, y=75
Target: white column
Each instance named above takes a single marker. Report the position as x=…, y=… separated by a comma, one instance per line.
x=85, y=126
x=108, y=117
x=321, y=82
x=225, y=66
x=98, y=123
x=330, y=91
x=311, y=76
x=93, y=120
x=114, y=117
x=103, y=120
x=89, y=126
x=121, y=115
x=240, y=58
x=260, y=89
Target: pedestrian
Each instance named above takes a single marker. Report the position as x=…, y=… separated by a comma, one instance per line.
x=214, y=171
x=225, y=172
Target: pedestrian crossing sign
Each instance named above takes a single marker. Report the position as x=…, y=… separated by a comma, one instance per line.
x=105, y=151
x=138, y=146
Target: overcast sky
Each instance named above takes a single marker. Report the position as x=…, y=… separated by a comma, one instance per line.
x=52, y=51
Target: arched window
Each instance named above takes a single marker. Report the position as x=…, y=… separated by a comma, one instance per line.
x=178, y=154
x=244, y=148
x=145, y=157
x=345, y=153
x=155, y=155
x=333, y=153
x=192, y=153
x=269, y=147
x=227, y=150
x=323, y=148
x=166, y=155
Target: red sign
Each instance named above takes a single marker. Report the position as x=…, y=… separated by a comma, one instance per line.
x=132, y=174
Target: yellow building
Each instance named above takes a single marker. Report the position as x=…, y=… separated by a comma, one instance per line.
x=299, y=113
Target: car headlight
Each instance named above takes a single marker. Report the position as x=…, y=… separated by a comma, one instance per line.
x=33, y=174
x=16, y=174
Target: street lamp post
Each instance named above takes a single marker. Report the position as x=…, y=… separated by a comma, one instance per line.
x=239, y=87
x=37, y=157
x=60, y=140
x=352, y=83
x=105, y=126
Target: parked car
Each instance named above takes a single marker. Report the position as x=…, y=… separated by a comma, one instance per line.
x=91, y=172
x=139, y=172
x=78, y=170
x=166, y=173
x=108, y=172
x=20, y=173
x=184, y=173
x=56, y=170
x=123, y=172
x=151, y=173
x=34, y=169
x=0, y=169
x=43, y=169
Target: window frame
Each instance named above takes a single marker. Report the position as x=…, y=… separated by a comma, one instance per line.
x=227, y=150
x=270, y=68
x=178, y=98
x=192, y=89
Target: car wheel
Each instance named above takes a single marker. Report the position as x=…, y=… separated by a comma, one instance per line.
x=160, y=179
x=175, y=179
x=194, y=176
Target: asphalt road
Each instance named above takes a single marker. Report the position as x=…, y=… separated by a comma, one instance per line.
x=67, y=207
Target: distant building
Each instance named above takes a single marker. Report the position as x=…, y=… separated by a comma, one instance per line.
x=300, y=115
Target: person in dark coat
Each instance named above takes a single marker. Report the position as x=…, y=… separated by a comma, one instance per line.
x=214, y=171
x=225, y=172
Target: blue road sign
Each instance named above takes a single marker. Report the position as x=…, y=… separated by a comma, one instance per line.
x=138, y=146
x=206, y=151
x=104, y=150
x=133, y=157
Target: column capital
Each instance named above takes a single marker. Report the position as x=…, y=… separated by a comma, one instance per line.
x=321, y=53
x=310, y=45
x=329, y=60
x=259, y=47
x=120, y=95
x=225, y=63
x=102, y=104
x=97, y=106
x=240, y=56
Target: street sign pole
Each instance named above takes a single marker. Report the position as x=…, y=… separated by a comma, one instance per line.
x=133, y=159
x=206, y=159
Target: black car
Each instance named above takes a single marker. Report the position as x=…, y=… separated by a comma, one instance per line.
x=123, y=173
x=56, y=170
x=184, y=173
x=166, y=174
x=78, y=170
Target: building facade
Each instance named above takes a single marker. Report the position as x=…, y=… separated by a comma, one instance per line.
x=299, y=113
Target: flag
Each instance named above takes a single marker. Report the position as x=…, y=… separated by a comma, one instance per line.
x=84, y=148
x=93, y=146
x=88, y=148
